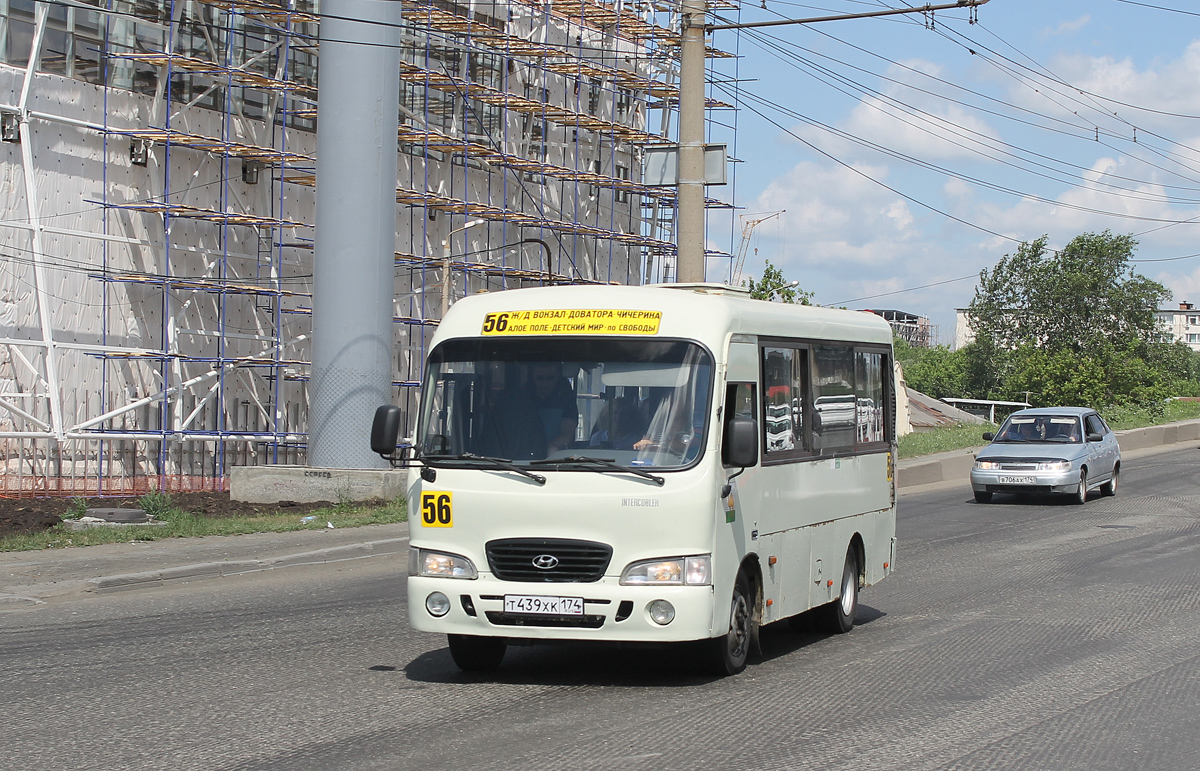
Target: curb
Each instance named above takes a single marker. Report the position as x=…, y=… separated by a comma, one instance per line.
x=237, y=567
x=38, y=594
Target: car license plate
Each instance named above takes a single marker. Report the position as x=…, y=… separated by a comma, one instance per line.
x=1018, y=481
x=543, y=606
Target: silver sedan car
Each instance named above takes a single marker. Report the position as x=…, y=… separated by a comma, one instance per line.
x=1059, y=450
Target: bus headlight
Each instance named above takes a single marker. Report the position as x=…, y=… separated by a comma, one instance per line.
x=423, y=562
x=674, y=571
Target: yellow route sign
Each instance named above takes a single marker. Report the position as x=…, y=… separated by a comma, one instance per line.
x=572, y=321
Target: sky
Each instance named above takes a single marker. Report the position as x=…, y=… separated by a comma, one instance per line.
x=908, y=156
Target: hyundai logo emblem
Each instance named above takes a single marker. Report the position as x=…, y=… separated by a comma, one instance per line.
x=545, y=562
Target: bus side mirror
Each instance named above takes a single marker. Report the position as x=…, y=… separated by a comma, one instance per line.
x=741, y=443
x=988, y=436
x=385, y=430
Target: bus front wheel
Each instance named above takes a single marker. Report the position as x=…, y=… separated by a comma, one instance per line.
x=476, y=654
x=728, y=653
x=840, y=614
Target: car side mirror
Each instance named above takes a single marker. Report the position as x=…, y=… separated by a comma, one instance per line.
x=385, y=430
x=988, y=436
x=1094, y=437
x=740, y=447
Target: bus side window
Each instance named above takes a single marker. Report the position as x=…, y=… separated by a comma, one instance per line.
x=785, y=387
x=834, y=402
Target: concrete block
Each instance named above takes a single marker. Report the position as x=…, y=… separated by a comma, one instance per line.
x=83, y=523
x=119, y=515
x=271, y=484
x=127, y=580
x=919, y=474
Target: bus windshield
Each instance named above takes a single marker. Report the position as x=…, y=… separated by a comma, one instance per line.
x=634, y=402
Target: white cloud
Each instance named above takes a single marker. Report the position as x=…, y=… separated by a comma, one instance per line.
x=906, y=121
x=1184, y=288
x=1067, y=27
x=1169, y=86
x=835, y=216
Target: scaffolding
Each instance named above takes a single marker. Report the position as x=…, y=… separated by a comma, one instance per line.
x=156, y=310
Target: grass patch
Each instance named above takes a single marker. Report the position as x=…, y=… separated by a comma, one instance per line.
x=943, y=440
x=183, y=524
x=1119, y=418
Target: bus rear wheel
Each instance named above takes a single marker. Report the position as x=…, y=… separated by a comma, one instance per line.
x=840, y=614
x=727, y=654
x=476, y=654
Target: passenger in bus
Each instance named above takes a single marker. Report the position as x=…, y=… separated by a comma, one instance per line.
x=621, y=427
x=554, y=400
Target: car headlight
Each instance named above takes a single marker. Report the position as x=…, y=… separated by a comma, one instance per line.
x=987, y=465
x=1054, y=465
x=423, y=562
x=674, y=571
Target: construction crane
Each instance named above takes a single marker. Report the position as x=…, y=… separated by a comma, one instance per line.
x=748, y=226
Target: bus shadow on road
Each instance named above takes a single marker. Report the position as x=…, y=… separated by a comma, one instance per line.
x=615, y=664
x=573, y=664
x=799, y=632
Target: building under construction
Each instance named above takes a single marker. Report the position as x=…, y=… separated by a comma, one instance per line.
x=158, y=202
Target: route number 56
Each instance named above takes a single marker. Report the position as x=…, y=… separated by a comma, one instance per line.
x=495, y=322
x=436, y=509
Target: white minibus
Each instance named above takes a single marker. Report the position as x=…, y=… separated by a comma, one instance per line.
x=659, y=464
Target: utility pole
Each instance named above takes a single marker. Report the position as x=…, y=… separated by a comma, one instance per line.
x=690, y=236
x=693, y=28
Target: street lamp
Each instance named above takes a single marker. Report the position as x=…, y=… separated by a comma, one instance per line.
x=779, y=289
x=446, y=263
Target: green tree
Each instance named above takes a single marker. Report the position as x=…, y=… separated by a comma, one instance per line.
x=1079, y=299
x=773, y=284
x=1077, y=326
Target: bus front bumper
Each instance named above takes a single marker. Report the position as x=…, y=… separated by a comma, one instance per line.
x=611, y=612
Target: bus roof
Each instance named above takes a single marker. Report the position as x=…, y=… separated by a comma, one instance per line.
x=704, y=312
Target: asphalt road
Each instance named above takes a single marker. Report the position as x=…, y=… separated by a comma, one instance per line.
x=1015, y=635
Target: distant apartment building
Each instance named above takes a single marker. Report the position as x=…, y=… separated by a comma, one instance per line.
x=1181, y=324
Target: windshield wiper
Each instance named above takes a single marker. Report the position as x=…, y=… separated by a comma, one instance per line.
x=606, y=464
x=501, y=463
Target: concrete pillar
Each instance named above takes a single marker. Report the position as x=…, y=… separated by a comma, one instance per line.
x=357, y=119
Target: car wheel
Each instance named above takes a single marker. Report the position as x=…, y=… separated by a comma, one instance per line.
x=476, y=654
x=1081, y=494
x=840, y=614
x=728, y=653
x=1110, y=487
x=982, y=497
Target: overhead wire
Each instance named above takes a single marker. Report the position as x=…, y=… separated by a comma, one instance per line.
x=1005, y=148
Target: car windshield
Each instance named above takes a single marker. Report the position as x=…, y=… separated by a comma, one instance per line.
x=632, y=402
x=1060, y=429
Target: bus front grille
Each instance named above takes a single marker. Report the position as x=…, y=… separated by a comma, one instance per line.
x=548, y=559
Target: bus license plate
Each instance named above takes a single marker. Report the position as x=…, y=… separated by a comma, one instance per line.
x=1018, y=481
x=543, y=606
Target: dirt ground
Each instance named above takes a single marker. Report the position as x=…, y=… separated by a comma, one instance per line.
x=32, y=515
